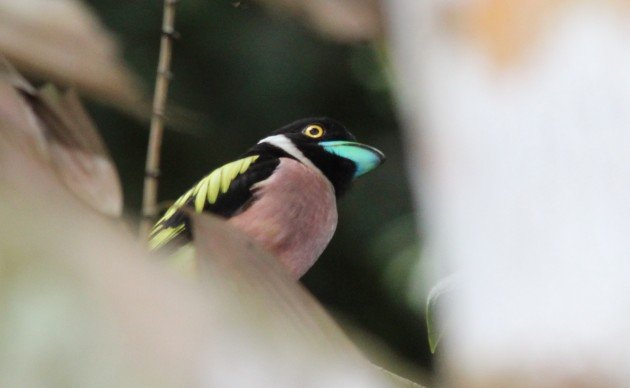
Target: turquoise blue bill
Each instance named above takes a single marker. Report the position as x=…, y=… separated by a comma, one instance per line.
x=365, y=157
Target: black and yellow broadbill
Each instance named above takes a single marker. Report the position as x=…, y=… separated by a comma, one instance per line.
x=282, y=192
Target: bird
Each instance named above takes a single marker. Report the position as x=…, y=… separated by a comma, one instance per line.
x=282, y=192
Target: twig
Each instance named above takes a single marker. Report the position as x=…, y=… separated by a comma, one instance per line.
x=152, y=167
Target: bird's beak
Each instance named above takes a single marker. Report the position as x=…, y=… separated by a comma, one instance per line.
x=366, y=158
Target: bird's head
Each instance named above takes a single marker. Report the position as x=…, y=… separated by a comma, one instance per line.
x=327, y=145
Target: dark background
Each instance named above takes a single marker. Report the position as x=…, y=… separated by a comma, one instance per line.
x=244, y=72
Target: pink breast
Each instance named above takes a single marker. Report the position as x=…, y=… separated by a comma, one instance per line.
x=294, y=215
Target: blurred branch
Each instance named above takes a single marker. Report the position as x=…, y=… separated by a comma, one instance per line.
x=152, y=168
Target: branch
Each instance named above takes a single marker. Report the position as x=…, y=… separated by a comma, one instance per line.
x=152, y=167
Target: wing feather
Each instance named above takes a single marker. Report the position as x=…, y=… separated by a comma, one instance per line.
x=224, y=191
x=201, y=194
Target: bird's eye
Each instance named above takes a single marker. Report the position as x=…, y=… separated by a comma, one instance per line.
x=314, y=131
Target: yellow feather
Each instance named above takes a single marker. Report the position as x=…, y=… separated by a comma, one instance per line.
x=246, y=163
x=208, y=189
x=182, y=200
x=178, y=204
x=164, y=235
x=226, y=176
x=200, y=199
x=214, y=186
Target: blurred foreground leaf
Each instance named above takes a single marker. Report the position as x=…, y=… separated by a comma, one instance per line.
x=64, y=42
x=247, y=274
x=250, y=272
x=79, y=305
x=60, y=129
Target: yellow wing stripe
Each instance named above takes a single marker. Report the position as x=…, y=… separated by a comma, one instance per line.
x=220, y=179
x=200, y=194
x=214, y=183
x=205, y=192
x=178, y=204
x=164, y=235
x=229, y=173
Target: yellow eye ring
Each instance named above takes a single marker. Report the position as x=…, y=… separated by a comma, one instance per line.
x=313, y=131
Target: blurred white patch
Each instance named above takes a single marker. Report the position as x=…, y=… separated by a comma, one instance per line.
x=526, y=188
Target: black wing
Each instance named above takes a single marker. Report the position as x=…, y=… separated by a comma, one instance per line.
x=224, y=192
